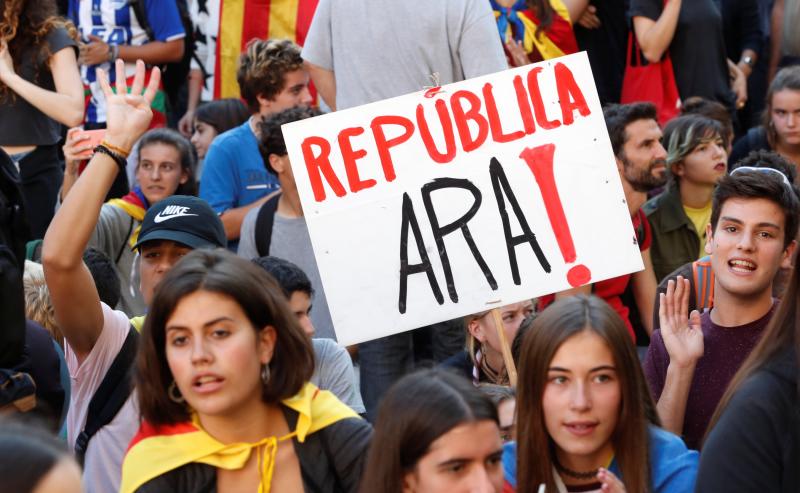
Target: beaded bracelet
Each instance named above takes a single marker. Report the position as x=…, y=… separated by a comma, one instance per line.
x=121, y=162
x=119, y=150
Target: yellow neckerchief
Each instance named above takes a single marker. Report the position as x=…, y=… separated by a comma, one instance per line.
x=138, y=322
x=133, y=210
x=543, y=44
x=154, y=452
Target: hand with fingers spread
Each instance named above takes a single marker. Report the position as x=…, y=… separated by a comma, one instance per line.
x=128, y=115
x=609, y=483
x=681, y=332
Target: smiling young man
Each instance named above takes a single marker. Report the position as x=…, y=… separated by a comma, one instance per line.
x=692, y=358
x=271, y=79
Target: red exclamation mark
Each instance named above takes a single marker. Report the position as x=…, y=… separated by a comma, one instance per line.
x=540, y=161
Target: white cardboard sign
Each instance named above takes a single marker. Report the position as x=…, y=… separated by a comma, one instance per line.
x=454, y=200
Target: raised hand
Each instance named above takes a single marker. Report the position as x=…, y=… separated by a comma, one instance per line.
x=681, y=332
x=609, y=483
x=128, y=115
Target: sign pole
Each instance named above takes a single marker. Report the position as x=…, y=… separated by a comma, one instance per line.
x=511, y=368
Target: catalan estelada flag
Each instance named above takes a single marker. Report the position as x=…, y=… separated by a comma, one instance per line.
x=156, y=450
x=243, y=20
x=518, y=22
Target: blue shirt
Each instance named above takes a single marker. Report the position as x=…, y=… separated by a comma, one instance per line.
x=115, y=22
x=673, y=466
x=234, y=174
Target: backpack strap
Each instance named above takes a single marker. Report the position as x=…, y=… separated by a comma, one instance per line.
x=703, y=278
x=111, y=395
x=264, y=222
x=141, y=17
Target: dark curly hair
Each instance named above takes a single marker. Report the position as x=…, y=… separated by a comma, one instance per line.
x=263, y=66
x=272, y=135
x=26, y=23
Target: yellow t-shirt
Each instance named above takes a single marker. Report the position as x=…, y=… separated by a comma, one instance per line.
x=700, y=218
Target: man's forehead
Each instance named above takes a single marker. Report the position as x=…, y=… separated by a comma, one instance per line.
x=757, y=211
x=643, y=129
x=164, y=245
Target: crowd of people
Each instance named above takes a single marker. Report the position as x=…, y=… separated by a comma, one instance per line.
x=164, y=326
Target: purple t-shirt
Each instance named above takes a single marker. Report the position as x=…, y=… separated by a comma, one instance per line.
x=725, y=349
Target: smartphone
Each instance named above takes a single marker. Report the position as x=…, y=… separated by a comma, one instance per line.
x=95, y=137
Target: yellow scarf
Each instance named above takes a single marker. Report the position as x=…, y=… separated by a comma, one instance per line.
x=133, y=210
x=157, y=450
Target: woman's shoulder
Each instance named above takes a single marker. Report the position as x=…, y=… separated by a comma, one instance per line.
x=674, y=466
x=59, y=38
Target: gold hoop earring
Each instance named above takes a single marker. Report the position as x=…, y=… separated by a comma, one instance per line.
x=174, y=393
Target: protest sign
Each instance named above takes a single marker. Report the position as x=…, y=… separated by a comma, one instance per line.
x=461, y=198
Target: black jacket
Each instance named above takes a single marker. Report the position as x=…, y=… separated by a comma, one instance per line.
x=331, y=461
x=755, y=446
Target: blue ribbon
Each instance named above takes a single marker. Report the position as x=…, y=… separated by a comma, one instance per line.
x=510, y=14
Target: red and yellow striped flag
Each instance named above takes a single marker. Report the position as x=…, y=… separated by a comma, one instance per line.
x=243, y=20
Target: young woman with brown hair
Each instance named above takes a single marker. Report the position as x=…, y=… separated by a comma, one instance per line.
x=780, y=127
x=585, y=420
x=222, y=384
x=435, y=433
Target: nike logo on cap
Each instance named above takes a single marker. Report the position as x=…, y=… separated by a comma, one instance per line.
x=170, y=212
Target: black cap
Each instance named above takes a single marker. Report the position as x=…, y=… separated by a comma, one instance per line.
x=183, y=219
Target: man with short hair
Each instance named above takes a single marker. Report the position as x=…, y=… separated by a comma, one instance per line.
x=271, y=79
x=278, y=227
x=96, y=335
x=333, y=368
x=692, y=358
x=641, y=162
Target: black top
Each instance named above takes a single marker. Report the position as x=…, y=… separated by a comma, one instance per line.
x=697, y=49
x=331, y=461
x=20, y=122
x=755, y=446
x=754, y=140
x=606, y=46
x=741, y=26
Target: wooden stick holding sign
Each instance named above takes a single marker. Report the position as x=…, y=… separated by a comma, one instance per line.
x=508, y=359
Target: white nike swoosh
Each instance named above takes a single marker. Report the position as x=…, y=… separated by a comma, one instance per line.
x=160, y=219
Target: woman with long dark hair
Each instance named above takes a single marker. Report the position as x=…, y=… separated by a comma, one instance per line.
x=40, y=89
x=585, y=419
x=435, y=433
x=757, y=420
x=222, y=383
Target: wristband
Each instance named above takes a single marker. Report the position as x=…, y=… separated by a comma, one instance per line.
x=113, y=53
x=118, y=150
x=121, y=162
